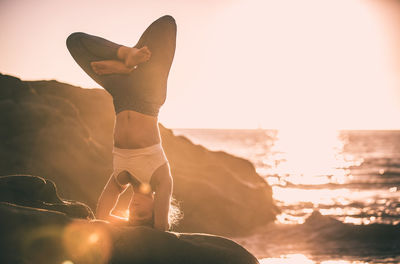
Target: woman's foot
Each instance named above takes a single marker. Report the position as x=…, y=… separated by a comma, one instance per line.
x=136, y=56
x=110, y=67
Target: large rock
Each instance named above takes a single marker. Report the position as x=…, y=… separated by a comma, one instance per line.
x=64, y=133
x=36, y=192
x=37, y=235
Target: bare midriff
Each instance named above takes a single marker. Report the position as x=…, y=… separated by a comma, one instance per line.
x=135, y=130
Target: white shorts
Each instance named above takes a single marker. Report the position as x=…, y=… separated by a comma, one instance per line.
x=140, y=163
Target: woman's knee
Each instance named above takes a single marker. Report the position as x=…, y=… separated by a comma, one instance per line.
x=73, y=39
x=76, y=40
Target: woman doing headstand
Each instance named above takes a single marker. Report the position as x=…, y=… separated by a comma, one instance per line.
x=136, y=78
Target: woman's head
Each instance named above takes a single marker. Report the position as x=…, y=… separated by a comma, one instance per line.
x=141, y=209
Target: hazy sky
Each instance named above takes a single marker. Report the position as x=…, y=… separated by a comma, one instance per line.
x=239, y=63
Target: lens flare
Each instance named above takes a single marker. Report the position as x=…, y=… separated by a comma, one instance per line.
x=42, y=244
x=87, y=242
x=126, y=214
x=93, y=238
x=145, y=188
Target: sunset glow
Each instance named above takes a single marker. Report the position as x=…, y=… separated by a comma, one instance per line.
x=310, y=152
x=283, y=112
x=271, y=64
x=299, y=258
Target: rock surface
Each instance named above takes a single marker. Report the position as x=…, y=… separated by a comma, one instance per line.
x=64, y=134
x=37, y=235
x=36, y=192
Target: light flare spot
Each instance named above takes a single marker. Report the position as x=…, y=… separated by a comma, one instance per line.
x=126, y=213
x=145, y=188
x=93, y=238
x=87, y=242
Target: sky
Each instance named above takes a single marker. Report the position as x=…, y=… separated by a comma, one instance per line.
x=315, y=64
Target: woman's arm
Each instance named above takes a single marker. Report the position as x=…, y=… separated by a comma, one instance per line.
x=162, y=197
x=109, y=198
x=116, y=219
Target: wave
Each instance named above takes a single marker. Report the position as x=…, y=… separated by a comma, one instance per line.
x=324, y=235
x=390, y=162
x=363, y=185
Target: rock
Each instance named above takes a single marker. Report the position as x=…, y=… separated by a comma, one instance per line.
x=146, y=245
x=220, y=193
x=31, y=235
x=32, y=191
x=65, y=133
x=36, y=235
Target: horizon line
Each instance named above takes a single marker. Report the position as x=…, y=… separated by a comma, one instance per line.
x=232, y=128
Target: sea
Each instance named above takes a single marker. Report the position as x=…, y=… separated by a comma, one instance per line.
x=338, y=192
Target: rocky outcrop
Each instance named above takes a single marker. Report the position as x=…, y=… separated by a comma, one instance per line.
x=64, y=134
x=32, y=234
x=218, y=191
x=36, y=192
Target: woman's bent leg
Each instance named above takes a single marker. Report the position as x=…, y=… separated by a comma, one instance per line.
x=86, y=48
x=143, y=89
x=150, y=78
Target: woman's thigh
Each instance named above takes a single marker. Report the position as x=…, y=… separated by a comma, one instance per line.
x=150, y=78
x=86, y=48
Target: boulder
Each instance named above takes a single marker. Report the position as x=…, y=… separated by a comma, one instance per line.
x=37, y=192
x=37, y=234
x=64, y=133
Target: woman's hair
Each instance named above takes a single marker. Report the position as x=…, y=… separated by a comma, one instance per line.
x=175, y=214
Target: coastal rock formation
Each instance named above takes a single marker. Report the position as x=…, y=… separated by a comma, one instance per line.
x=64, y=134
x=32, y=234
x=36, y=192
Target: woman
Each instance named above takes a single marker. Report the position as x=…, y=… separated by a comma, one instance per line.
x=136, y=78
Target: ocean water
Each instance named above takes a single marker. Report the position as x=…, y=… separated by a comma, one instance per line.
x=338, y=191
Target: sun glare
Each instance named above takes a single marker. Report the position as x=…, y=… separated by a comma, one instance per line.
x=288, y=259
x=87, y=242
x=309, y=156
x=300, y=258
x=296, y=64
x=145, y=188
x=251, y=63
x=93, y=238
x=126, y=214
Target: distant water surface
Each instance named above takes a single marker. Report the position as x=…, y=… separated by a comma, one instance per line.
x=349, y=176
